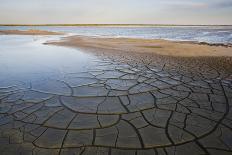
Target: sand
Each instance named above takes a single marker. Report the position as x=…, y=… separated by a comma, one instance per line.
x=28, y=32
x=189, y=56
x=160, y=47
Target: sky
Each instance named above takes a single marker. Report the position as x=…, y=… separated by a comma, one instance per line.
x=216, y=12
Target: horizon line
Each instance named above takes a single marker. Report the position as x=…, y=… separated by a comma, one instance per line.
x=115, y=24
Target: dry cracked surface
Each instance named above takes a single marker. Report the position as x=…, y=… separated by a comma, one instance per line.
x=119, y=108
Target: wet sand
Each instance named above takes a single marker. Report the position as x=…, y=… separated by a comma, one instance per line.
x=28, y=32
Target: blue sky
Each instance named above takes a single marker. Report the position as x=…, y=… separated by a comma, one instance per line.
x=116, y=11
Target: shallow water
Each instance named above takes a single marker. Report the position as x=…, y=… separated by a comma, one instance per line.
x=25, y=58
x=210, y=34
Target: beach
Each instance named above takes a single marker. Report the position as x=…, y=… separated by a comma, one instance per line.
x=76, y=94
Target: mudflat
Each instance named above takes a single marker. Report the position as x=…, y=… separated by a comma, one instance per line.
x=116, y=96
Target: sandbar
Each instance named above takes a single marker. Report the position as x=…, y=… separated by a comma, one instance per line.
x=160, y=47
x=28, y=32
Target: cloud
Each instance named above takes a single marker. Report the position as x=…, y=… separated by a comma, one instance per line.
x=198, y=4
x=116, y=11
x=223, y=4
x=184, y=4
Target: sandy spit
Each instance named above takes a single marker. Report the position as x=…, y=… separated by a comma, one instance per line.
x=160, y=47
x=28, y=32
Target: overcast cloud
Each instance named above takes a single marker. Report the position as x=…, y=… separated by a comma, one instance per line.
x=116, y=11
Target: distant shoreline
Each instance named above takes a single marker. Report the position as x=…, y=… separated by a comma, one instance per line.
x=29, y=32
x=147, y=25
x=43, y=32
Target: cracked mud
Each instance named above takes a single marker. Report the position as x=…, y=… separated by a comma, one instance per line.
x=117, y=108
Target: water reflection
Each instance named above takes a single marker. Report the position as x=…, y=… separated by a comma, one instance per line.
x=25, y=58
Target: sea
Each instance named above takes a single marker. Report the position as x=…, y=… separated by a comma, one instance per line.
x=208, y=34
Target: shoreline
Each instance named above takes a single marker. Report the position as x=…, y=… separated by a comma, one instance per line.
x=156, y=46
x=147, y=50
x=190, y=58
x=153, y=25
x=29, y=32
x=44, y=32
